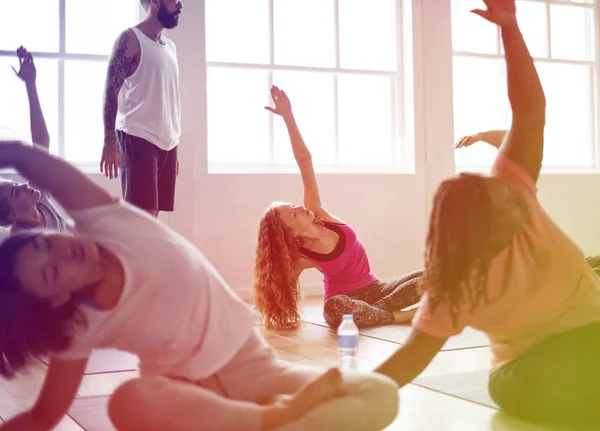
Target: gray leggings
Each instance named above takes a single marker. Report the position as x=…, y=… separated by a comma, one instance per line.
x=375, y=304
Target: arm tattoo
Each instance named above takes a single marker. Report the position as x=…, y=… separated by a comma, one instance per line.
x=119, y=68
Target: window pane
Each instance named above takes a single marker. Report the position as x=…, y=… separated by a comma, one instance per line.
x=93, y=30
x=573, y=36
x=533, y=22
x=14, y=109
x=238, y=124
x=471, y=33
x=365, y=120
x=32, y=23
x=312, y=98
x=237, y=30
x=373, y=46
x=84, y=127
x=569, y=114
x=305, y=33
x=480, y=103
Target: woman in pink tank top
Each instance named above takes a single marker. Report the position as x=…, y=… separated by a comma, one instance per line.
x=293, y=238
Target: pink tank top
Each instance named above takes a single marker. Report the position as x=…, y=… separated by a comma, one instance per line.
x=347, y=267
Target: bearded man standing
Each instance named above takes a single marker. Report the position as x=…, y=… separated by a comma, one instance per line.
x=142, y=120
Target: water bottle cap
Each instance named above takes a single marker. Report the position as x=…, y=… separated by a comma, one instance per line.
x=347, y=317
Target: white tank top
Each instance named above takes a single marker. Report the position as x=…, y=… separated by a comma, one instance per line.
x=149, y=105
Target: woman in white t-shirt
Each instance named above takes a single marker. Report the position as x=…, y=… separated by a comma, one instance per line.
x=127, y=281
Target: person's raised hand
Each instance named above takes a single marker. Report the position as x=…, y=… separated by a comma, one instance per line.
x=500, y=12
x=281, y=101
x=27, y=70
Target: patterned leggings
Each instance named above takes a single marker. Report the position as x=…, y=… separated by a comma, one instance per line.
x=374, y=305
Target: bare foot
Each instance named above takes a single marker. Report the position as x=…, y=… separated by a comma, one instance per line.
x=323, y=388
x=288, y=408
x=404, y=316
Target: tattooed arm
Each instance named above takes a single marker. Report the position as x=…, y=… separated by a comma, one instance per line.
x=123, y=62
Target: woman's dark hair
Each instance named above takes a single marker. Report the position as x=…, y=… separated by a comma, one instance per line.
x=4, y=213
x=459, y=230
x=28, y=325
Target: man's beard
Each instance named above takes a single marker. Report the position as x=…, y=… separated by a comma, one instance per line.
x=167, y=19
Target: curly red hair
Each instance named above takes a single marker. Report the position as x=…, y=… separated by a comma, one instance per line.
x=277, y=291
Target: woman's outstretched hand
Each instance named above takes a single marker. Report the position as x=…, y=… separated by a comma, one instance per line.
x=500, y=12
x=282, y=103
x=467, y=141
x=27, y=70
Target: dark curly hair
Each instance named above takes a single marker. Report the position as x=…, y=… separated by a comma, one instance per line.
x=30, y=326
x=456, y=265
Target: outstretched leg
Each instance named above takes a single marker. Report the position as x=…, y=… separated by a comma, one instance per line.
x=401, y=293
x=160, y=403
x=378, y=304
x=369, y=401
x=364, y=314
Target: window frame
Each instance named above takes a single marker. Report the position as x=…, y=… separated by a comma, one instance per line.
x=61, y=55
x=594, y=6
x=399, y=152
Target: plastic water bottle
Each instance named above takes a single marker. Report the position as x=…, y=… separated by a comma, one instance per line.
x=348, y=343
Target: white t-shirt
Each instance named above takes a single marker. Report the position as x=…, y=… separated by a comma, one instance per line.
x=176, y=312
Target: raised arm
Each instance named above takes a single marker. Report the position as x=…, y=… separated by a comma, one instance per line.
x=312, y=198
x=283, y=108
x=60, y=388
x=122, y=63
x=492, y=137
x=27, y=72
x=67, y=184
x=524, y=143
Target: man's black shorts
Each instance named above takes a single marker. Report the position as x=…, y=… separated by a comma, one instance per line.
x=148, y=173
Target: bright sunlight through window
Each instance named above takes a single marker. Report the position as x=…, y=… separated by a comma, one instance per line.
x=71, y=41
x=561, y=36
x=338, y=60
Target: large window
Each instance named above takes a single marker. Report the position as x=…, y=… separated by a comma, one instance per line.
x=339, y=62
x=71, y=41
x=561, y=36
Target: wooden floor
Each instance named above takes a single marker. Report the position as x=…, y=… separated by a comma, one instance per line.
x=421, y=408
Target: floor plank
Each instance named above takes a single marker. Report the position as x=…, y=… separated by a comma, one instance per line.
x=104, y=384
